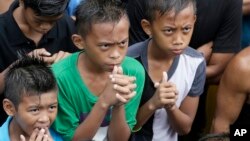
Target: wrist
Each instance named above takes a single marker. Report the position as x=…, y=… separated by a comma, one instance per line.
x=151, y=106
x=170, y=107
x=103, y=104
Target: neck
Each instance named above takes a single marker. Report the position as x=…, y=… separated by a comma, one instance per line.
x=15, y=131
x=86, y=65
x=157, y=54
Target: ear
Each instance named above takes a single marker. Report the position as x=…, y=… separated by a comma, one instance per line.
x=195, y=17
x=9, y=107
x=146, y=26
x=78, y=41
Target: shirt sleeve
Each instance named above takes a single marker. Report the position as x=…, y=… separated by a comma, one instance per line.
x=228, y=37
x=66, y=121
x=199, y=80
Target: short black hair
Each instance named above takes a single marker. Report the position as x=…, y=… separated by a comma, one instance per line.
x=47, y=7
x=27, y=77
x=165, y=6
x=90, y=12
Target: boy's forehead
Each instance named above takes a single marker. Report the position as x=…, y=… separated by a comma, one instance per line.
x=39, y=98
x=173, y=13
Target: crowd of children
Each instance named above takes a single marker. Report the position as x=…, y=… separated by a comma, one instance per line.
x=127, y=70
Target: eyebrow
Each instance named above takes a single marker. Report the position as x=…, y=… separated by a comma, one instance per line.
x=111, y=43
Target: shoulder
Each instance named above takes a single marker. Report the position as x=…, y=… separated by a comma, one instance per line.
x=65, y=64
x=136, y=49
x=4, y=130
x=192, y=52
x=132, y=67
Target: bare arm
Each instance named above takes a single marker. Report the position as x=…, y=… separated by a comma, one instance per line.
x=87, y=129
x=118, y=128
x=37, y=53
x=4, y=5
x=216, y=66
x=246, y=7
x=216, y=62
x=182, y=118
x=118, y=124
x=232, y=92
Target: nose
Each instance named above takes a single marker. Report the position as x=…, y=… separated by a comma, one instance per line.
x=178, y=40
x=115, y=54
x=44, y=119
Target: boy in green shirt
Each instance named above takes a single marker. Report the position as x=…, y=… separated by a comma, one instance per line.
x=98, y=93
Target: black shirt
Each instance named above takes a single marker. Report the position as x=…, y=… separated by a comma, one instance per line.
x=12, y=41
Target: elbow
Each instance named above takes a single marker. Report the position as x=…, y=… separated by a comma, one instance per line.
x=184, y=131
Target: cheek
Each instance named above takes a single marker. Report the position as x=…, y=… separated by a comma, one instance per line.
x=52, y=116
x=26, y=123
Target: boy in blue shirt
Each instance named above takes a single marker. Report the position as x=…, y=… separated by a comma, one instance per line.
x=30, y=103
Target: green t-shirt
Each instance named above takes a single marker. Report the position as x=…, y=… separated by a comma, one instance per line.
x=76, y=101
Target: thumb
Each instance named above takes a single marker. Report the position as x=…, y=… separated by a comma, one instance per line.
x=115, y=70
x=156, y=85
x=120, y=70
x=164, y=77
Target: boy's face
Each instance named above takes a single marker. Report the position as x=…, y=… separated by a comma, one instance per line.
x=106, y=44
x=36, y=112
x=40, y=24
x=172, y=32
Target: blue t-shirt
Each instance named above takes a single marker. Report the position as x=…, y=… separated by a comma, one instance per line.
x=4, y=130
x=72, y=7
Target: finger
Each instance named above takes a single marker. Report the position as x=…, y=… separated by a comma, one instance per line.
x=132, y=87
x=122, y=89
x=164, y=77
x=40, y=52
x=129, y=96
x=34, y=134
x=169, y=95
x=22, y=138
x=115, y=70
x=61, y=55
x=120, y=70
x=122, y=76
x=120, y=98
x=45, y=137
x=49, y=60
x=122, y=81
x=43, y=52
x=168, y=101
x=157, y=84
x=47, y=132
x=40, y=135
